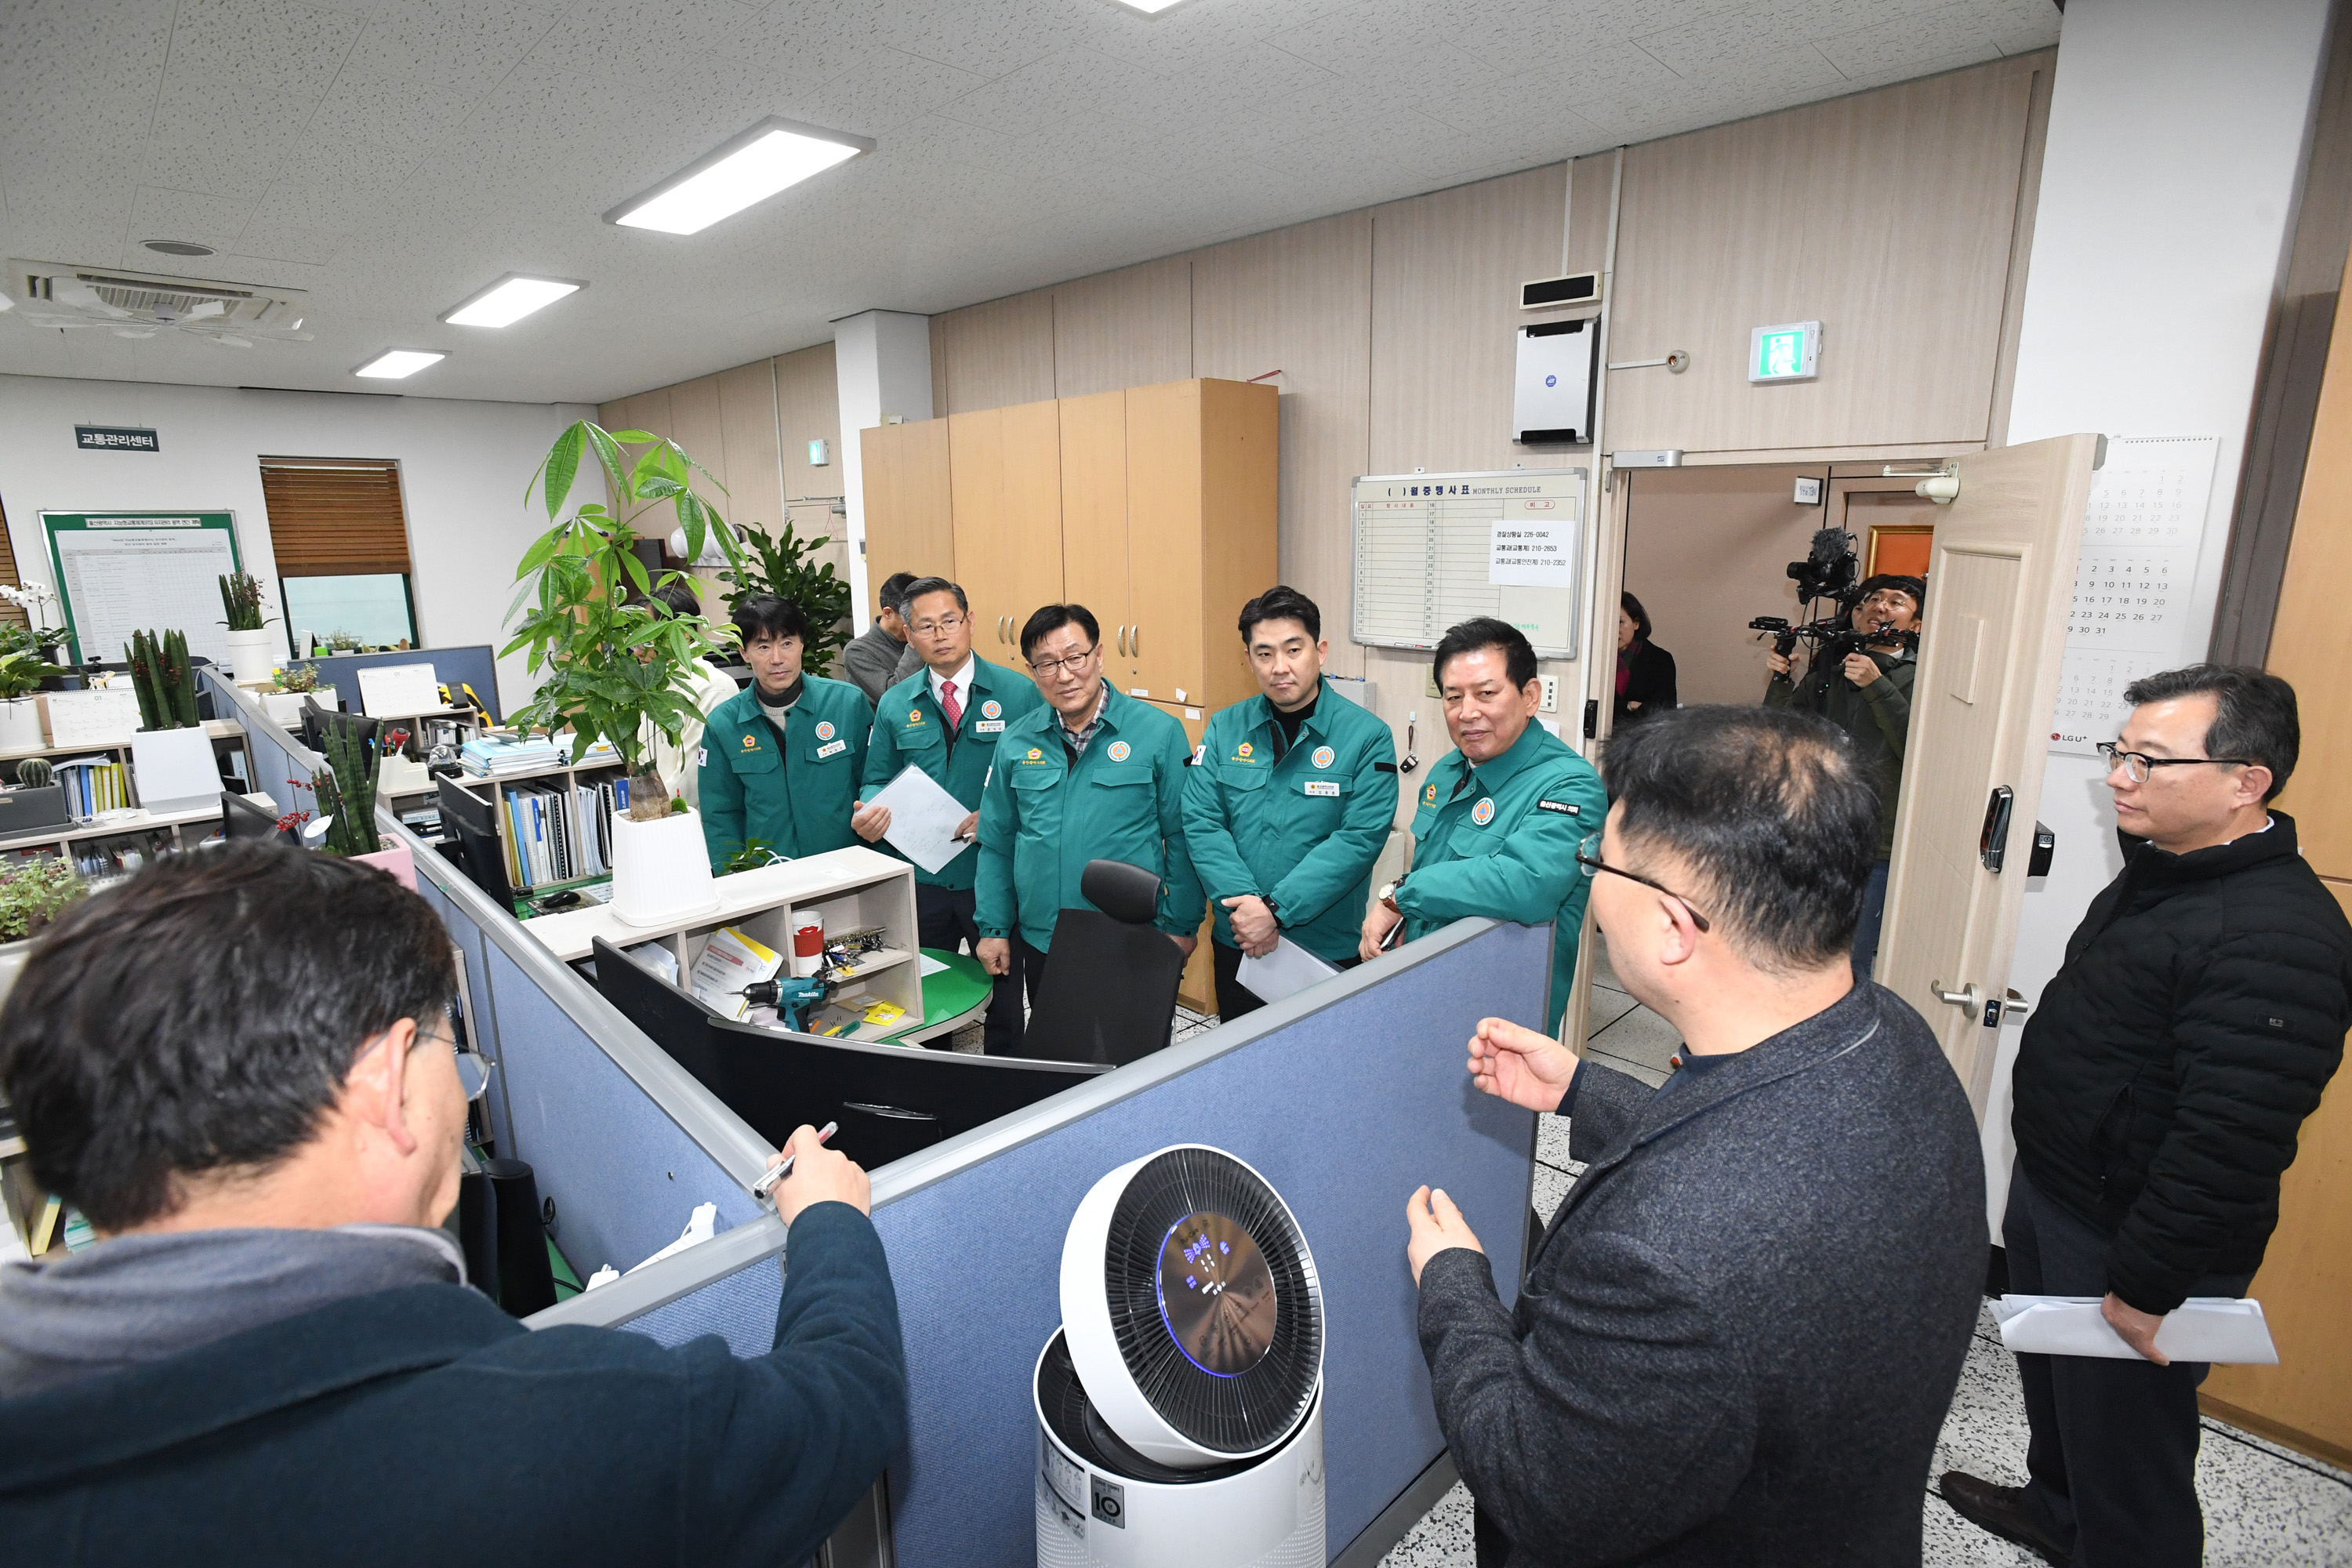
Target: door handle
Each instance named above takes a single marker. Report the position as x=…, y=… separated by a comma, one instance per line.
x=2013, y=1005
x=1965, y=999
x=891, y=1112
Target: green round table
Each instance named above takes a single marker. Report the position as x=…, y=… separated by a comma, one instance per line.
x=952, y=997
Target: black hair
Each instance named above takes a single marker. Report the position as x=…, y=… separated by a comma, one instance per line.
x=1641, y=617
x=893, y=592
x=1915, y=587
x=2253, y=713
x=765, y=616
x=203, y=1016
x=1769, y=812
x=1281, y=603
x=1053, y=618
x=677, y=598
x=916, y=587
x=1485, y=632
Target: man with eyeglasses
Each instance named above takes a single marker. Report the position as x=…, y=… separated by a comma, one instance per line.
x=948, y=720
x=2159, y=1088
x=238, y=1065
x=1737, y=1338
x=1089, y=774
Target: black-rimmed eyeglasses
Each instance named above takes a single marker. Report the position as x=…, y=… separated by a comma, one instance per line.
x=1049, y=668
x=1587, y=857
x=2136, y=764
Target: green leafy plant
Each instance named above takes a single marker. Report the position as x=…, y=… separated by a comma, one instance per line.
x=341, y=642
x=33, y=893
x=785, y=565
x=346, y=791
x=22, y=670
x=166, y=680
x=613, y=666
x=241, y=598
x=298, y=678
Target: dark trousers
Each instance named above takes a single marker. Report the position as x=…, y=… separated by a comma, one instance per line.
x=944, y=919
x=2113, y=1457
x=1029, y=971
x=1233, y=998
x=1873, y=915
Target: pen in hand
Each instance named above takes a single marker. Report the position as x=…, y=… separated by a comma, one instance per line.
x=767, y=1184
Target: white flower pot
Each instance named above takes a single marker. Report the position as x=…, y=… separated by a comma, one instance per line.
x=173, y=767
x=284, y=708
x=661, y=870
x=250, y=653
x=20, y=725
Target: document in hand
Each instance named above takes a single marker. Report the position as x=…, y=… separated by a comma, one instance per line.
x=2202, y=1328
x=1286, y=972
x=923, y=819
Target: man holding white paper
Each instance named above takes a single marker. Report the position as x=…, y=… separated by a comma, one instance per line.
x=944, y=721
x=2158, y=1090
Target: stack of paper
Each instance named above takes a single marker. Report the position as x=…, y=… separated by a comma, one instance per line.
x=506, y=754
x=1287, y=971
x=2202, y=1328
x=731, y=962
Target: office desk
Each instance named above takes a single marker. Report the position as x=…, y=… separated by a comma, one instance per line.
x=952, y=997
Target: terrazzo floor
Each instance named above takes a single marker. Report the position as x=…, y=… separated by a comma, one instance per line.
x=2265, y=1507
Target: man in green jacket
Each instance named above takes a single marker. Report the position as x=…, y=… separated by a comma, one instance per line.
x=1090, y=774
x=947, y=719
x=782, y=759
x=1868, y=695
x=1496, y=826
x=1288, y=802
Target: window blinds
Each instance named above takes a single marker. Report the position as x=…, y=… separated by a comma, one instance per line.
x=338, y=518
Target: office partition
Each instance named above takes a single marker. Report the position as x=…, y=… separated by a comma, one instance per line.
x=473, y=664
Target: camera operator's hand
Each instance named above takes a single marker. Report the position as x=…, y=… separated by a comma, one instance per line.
x=1861, y=669
x=1779, y=663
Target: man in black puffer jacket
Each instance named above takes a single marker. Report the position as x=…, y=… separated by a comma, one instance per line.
x=2159, y=1085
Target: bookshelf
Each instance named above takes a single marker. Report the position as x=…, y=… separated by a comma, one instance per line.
x=558, y=781
x=98, y=844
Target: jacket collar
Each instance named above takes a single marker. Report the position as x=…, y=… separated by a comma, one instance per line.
x=1495, y=771
x=119, y=1418
x=1257, y=713
x=2152, y=868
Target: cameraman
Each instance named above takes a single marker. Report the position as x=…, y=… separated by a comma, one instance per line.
x=1867, y=694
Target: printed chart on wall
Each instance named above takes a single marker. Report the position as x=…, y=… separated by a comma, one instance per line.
x=1432, y=550
x=125, y=572
x=2141, y=530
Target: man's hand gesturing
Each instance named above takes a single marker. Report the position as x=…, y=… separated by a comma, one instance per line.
x=1513, y=1063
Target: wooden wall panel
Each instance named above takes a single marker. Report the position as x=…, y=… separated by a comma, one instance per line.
x=696, y=425
x=1123, y=329
x=808, y=407
x=747, y=419
x=999, y=353
x=910, y=526
x=1886, y=215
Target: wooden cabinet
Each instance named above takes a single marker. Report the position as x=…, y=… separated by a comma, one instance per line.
x=910, y=525
x=1004, y=485
x=1094, y=522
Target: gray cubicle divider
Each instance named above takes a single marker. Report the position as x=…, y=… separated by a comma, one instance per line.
x=474, y=664
x=278, y=761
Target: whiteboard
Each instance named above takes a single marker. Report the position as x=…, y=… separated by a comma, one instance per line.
x=119, y=573
x=1435, y=550
x=2141, y=530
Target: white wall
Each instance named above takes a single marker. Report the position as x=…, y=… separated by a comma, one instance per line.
x=2178, y=134
x=462, y=471
x=882, y=367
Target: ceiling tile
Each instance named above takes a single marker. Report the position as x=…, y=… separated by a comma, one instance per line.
x=198, y=217
x=224, y=137
x=280, y=46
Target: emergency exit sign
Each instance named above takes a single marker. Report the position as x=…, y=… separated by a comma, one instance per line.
x=1790, y=352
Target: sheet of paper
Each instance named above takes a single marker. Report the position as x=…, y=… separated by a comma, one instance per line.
x=923, y=819
x=1287, y=971
x=930, y=965
x=731, y=962
x=2203, y=1328
x=399, y=690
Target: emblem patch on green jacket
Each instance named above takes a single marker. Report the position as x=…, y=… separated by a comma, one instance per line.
x=1483, y=811
x=1119, y=751
x=1324, y=757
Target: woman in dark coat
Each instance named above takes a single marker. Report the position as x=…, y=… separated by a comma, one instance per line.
x=1645, y=672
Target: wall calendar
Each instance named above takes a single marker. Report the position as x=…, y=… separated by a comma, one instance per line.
x=2142, y=527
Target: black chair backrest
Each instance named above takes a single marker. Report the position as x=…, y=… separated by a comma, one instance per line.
x=1109, y=993
x=891, y=1100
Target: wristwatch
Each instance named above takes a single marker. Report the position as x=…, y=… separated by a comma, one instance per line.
x=1388, y=898
x=1271, y=907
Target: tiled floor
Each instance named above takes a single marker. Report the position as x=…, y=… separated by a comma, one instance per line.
x=2265, y=1507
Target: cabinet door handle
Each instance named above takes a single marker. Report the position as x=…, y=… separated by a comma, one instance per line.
x=1135, y=639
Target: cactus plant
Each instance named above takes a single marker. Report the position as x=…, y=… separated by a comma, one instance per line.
x=347, y=791
x=241, y=598
x=33, y=773
x=166, y=680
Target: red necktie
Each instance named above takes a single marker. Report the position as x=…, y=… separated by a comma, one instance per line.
x=953, y=709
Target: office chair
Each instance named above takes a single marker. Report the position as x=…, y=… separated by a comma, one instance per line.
x=1109, y=993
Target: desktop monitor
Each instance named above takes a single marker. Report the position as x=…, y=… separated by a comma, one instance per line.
x=240, y=818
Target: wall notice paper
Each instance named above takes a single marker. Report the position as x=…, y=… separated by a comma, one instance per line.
x=2202, y=1328
x=101, y=718
x=923, y=819
x=731, y=962
x=399, y=690
x=1432, y=550
x=131, y=572
x=2142, y=527
x=1286, y=972
x=1533, y=547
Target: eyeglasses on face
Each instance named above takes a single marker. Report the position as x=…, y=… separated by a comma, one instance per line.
x=2138, y=764
x=1588, y=858
x=473, y=1067
x=933, y=629
x=1075, y=664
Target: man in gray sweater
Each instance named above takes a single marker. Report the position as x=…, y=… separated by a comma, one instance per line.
x=1739, y=1334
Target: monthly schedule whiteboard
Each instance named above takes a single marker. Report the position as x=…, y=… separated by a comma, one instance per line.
x=124, y=572
x=1432, y=550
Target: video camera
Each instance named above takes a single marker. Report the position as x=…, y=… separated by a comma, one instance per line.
x=1829, y=571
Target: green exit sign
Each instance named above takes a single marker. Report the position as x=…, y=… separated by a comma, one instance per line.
x=1790, y=352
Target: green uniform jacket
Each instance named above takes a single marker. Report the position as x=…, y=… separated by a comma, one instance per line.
x=1878, y=717
x=1500, y=839
x=910, y=731
x=1301, y=826
x=1043, y=817
x=792, y=793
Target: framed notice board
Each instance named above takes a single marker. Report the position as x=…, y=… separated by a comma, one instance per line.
x=124, y=572
x=1432, y=550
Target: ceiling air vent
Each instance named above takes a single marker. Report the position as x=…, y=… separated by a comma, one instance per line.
x=141, y=304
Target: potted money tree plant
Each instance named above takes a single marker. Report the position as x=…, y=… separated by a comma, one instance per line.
x=613, y=665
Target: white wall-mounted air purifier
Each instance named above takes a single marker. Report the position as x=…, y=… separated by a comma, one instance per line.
x=1551, y=395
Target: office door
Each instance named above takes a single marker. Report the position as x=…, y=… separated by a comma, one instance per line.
x=1998, y=596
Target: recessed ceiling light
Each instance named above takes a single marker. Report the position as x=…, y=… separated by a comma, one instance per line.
x=771, y=156
x=394, y=364
x=1149, y=7
x=510, y=299
x=177, y=247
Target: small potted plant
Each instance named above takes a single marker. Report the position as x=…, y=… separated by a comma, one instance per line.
x=249, y=639
x=33, y=890
x=610, y=666
x=283, y=701
x=22, y=670
x=171, y=756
